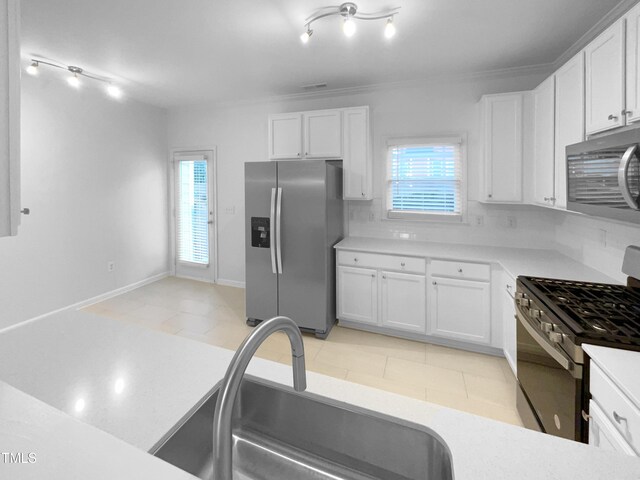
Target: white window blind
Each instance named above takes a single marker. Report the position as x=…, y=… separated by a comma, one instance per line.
x=425, y=178
x=192, y=210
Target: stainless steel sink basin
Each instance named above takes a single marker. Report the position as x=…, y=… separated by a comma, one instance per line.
x=279, y=434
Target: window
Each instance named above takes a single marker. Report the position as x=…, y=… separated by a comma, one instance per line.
x=425, y=178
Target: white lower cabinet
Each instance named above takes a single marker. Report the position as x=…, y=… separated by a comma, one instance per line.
x=357, y=295
x=603, y=434
x=460, y=309
x=402, y=301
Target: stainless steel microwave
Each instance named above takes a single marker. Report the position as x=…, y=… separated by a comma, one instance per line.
x=603, y=176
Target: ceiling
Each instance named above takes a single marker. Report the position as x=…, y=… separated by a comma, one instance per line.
x=182, y=52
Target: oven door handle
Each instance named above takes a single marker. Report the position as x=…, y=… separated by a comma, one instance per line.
x=623, y=176
x=563, y=360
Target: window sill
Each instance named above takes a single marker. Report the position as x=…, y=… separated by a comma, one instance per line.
x=426, y=217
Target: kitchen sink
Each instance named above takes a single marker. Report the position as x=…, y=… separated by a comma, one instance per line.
x=279, y=434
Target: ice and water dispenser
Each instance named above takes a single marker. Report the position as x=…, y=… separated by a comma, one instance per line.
x=260, y=232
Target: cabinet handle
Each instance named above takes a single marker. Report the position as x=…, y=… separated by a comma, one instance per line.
x=373, y=275
x=585, y=415
x=363, y=194
x=402, y=264
x=626, y=112
x=508, y=287
x=25, y=211
x=613, y=117
x=490, y=195
x=618, y=418
x=459, y=270
x=298, y=153
x=384, y=277
x=434, y=282
x=355, y=259
x=306, y=153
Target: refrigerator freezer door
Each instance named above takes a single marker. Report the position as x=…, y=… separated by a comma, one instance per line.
x=303, y=282
x=261, y=280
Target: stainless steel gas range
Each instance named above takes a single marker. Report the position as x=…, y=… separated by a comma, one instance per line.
x=555, y=317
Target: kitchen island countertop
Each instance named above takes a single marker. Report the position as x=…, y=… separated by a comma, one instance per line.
x=75, y=355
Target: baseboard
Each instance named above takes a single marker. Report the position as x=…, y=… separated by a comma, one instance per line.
x=231, y=283
x=92, y=300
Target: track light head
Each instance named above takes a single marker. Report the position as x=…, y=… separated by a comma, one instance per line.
x=389, y=28
x=304, y=38
x=349, y=27
x=114, y=91
x=32, y=69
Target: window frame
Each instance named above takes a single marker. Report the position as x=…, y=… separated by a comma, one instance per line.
x=457, y=218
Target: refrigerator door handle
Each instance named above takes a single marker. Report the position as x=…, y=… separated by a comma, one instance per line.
x=279, y=230
x=272, y=243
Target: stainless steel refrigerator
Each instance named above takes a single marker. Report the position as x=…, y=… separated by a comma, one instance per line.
x=294, y=217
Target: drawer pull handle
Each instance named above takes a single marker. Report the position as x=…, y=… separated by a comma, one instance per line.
x=402, y=264
x=434, y=282
x=355, y=259
x=384, y=277
x=618, y=418
x=612, y=117
x=459, y=270
x=585, y=415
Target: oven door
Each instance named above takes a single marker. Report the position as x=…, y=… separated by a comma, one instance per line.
x=550, y=399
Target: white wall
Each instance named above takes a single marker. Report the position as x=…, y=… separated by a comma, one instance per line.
x=94, y=174
x=240, y=133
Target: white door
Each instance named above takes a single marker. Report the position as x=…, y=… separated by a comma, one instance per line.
x=605, y=65
x=403, y=301
x=323, y=134
x=460, y=309
x=569, y=120
x=544, y=102
x=194, y=213
x=357, y=294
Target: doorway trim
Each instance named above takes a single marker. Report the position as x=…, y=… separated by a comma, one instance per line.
x=211, y=151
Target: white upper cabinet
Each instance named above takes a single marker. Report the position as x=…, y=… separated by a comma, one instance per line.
x=502, y=132
x=9, y=117
x=633, y=65
x=357, y=163
x=323, y=134
x=341, y=133
x=285, y=136
x=543, y=147
x=569, y=120
x=605, y=80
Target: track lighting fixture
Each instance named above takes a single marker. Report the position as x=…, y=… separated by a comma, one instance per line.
x=349, y=13
x=74, y=80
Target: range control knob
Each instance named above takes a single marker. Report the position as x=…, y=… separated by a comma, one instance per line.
x=546, y=327
x=556, y=337
x=535, y=313
x=524, y=302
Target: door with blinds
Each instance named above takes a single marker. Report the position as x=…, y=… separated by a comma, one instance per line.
x=194, y=216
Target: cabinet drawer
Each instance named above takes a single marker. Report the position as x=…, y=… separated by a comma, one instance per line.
x=386, y=262
x=471, y=271
x=624, y=416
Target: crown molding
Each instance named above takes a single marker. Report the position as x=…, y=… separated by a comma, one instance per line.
x=605, y=22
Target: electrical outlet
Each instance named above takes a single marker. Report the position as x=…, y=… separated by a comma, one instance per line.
x=230, y=210
x=479, y=220
x=512, y=222
x=111, y=266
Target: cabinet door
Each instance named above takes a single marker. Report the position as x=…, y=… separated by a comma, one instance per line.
x=460, y=310
x=543, y=151
x=633, y=65
x=9, y=118
x=323, y=134
x=356, y=161
x=357, y=294
x=605, y=81
x=502, y=119
x=403, y=301
x=509, y=324
x=603, y=434
x=285, y=136
x=569, y=124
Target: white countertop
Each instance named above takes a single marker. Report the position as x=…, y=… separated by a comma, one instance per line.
x=622, y=366
x=61, y=447
x=516, y=261
x=69, y=355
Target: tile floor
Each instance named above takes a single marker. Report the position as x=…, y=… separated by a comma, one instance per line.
x=472, y=382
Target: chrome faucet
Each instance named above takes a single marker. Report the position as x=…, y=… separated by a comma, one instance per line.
x=222, y=438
